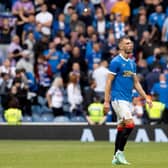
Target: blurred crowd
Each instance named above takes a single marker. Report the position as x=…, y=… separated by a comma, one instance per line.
x=54, y=58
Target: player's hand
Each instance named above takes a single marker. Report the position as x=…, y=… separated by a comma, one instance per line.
x=149, y=102
x=106, y=107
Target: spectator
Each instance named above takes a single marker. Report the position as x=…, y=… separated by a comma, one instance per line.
x=161, y=89
x=25, y=62
x=45, y=18
x=94, y=57
x=100, y=23
x=74, y=95
x=109, y=49
x=152, y=77
x=75, y=23
x=43, y=75
x=30, y=26
x=122, y=7
x=60, y=25
x=108, y=5
x=29, y=45
x=81, y=43
x=15, y=50
x=137, y=110
x=99, y=76
x=54, y=58
x=118, y=26
x=76, y=57
x=7, y=68
x=37, y=5
x=13, y=115
x=71, y=3
x=95, y=114
x=22, y=9
x=55, y=97
x=158, y=17
x=156, y=111
x=142, y=25
x=156, y=58
x=165, y=31
x=86, y=10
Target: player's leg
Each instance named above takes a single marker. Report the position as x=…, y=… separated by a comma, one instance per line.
x=126, y=116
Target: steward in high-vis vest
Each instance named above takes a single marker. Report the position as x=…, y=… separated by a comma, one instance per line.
x=95, y=113
x=156, y=111
x=13, y=115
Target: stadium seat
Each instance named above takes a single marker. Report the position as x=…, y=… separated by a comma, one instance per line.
x=36, y=117
x=36, y=109
x=47, y=117
x=42, y=101
x=27, y=119
x=61, y=119
x=78, y=119
x=45, y=109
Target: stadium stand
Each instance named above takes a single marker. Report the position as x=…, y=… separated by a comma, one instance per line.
x=41, y=40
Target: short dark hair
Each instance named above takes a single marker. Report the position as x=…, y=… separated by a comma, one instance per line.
x=123, y=38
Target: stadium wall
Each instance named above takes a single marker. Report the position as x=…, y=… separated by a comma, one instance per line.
x=81, y=132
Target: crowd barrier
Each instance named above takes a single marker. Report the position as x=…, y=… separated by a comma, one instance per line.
x=80, y=132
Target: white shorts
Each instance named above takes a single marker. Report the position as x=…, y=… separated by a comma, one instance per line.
x=123, y=109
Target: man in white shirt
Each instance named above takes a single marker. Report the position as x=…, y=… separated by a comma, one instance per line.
x=45, y=18
x=99, y=76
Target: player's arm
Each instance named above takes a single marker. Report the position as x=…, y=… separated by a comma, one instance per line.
x=140, y=90
x=109, y=80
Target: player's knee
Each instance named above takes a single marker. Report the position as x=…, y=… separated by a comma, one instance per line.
x=130, y=125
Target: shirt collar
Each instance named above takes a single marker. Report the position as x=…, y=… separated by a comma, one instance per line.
x=123, y=57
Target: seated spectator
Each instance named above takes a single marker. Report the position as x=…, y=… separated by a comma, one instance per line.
x=68, y=15
x=43, y=75
x=15, y=50
x=55, y=97
x=75, y=98
x=45, y=18
x=99, y=76
x=71, y=3
x=95, y=114
x=156, y=111
x=13, y=115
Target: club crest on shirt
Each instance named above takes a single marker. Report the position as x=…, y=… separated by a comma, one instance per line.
x=128, y=74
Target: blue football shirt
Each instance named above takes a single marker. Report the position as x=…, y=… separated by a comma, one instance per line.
x=123, y=83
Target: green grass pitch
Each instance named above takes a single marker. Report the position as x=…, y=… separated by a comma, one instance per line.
x=73, y=154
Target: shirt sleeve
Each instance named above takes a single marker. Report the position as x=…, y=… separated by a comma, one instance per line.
x=114, y=67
